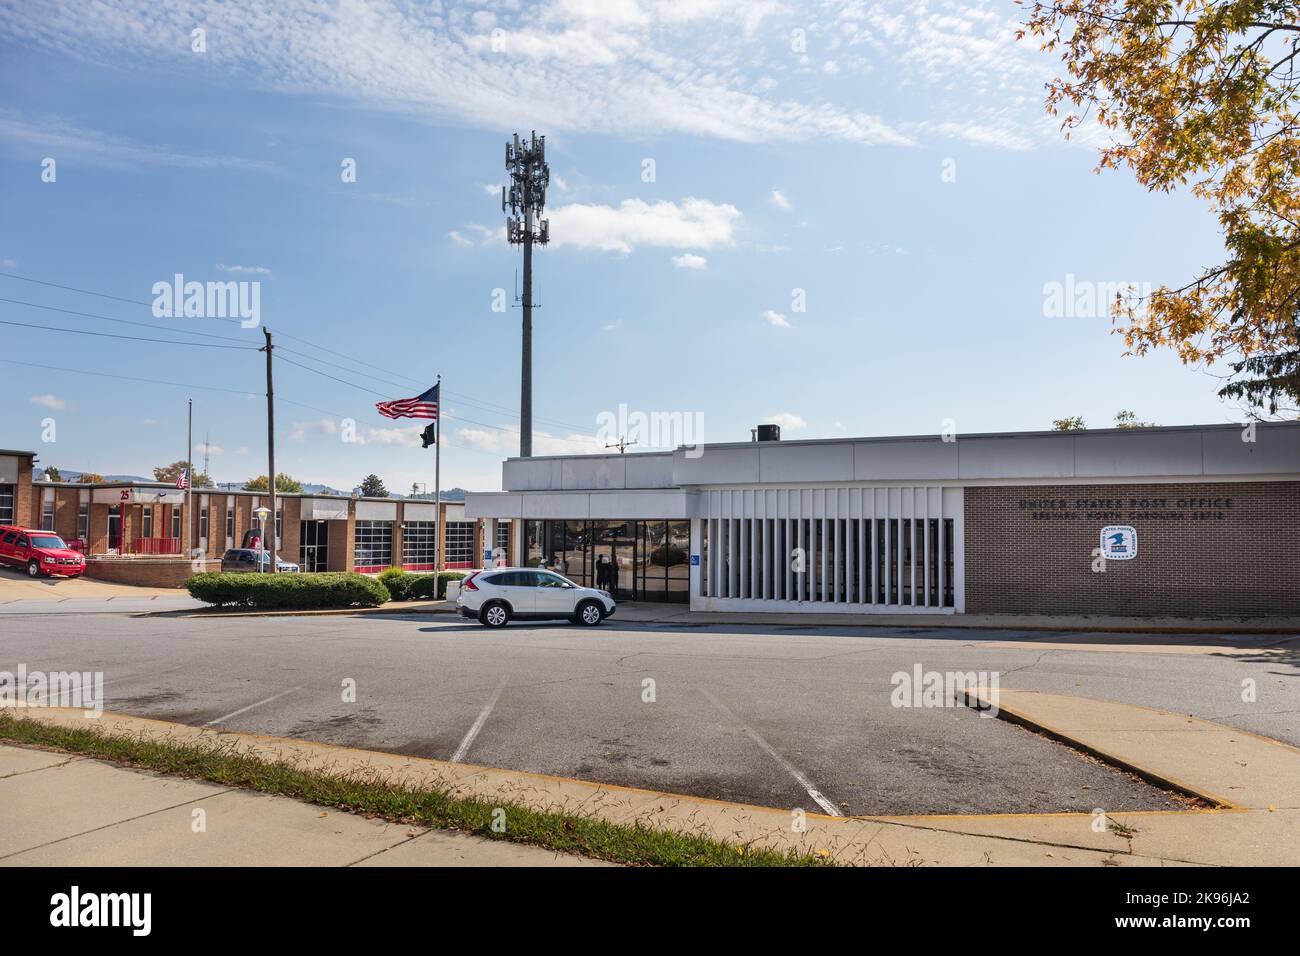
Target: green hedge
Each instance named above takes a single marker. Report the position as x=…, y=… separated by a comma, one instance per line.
x=405, y=586
x=422, y=586
x=398, y=583
x=291, y=591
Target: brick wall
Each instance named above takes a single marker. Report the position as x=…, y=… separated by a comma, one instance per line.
x=27, y=506
x=1202, y=549
x=145, y=572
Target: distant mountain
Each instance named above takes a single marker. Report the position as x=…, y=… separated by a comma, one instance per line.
x=38, y=474
x=448, y=494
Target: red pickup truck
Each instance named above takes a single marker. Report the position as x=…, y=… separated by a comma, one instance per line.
x=39, y=552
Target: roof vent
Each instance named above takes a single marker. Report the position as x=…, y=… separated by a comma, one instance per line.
x=766, y=433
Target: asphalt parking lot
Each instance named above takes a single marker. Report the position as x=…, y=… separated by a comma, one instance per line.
x=779, y=717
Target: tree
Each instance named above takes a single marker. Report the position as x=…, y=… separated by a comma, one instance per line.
x=1268, y=381
x=52, y=474
x=1127, y=419
x=173, y=471
x=283, y=483
x=372, y=486
x=1075, y=424
x=1199, y=92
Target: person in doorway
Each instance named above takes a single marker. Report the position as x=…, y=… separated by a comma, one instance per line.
x=604, y=577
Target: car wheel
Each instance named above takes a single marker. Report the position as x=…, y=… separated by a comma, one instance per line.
x=494, y=615
x=33, y=569
x=589, y=614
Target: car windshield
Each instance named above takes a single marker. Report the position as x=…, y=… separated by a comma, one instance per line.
x=47, y=541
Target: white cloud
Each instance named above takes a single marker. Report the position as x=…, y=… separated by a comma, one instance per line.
x=52, y=402
x=9, y=263
x=780, y=201
x=594, y=66
x=611, y=326
x=689, y=260
x=206, y=449
x=788, y=421
x=244, y=270
x=776, y=319
x=59, y=139
x=301, y=430
x=398, y=437
x=505, y=441
x=692, y=224
x=457, y=238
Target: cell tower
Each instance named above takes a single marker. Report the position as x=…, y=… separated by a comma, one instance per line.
x=524, y=199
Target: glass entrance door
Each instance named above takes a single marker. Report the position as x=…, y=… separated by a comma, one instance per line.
x=115, y=529
x=615, y=553
x=314, y=550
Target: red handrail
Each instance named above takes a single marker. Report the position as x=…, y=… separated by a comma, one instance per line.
x=157, y=545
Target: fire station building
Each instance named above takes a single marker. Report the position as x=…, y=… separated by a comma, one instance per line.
x=133, y=532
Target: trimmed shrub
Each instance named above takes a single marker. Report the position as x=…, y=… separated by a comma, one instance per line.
x=331, y=589
x=398, y=581
x=423, y=587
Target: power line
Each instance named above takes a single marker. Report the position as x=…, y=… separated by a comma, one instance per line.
x=109, y=318
x=209, y=388
x=458, y=418
x=130, y=378
x=131, y=338
x=468, y=399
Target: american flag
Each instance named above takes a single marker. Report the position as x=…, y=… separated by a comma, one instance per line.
x=183, y=480
x=424, y=405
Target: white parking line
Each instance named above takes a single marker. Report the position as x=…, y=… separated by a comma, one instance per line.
x=818, y=797
x=236, y=713
x=468, y=742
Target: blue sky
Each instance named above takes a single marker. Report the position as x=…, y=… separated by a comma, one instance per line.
x=893, y=161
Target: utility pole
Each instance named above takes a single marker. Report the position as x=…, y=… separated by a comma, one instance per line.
x=525, y=200
x=439, y=533
x=189, y=480
x=270, y=450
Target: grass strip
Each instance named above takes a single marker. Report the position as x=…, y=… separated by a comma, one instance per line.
x=401, y=803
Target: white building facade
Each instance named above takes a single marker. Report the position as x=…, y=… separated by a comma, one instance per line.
x=924, y=525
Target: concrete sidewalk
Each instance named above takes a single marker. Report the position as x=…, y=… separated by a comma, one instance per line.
x=1254, y=781
x=677, y=615
x=63, y=810
x=20, y=594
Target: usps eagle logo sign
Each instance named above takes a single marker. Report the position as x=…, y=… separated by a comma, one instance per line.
x=1119, y=542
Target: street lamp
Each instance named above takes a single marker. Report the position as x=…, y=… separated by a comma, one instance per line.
x=262, y=511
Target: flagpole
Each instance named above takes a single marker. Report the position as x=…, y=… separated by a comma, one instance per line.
x=189, y=477
x=440, y=531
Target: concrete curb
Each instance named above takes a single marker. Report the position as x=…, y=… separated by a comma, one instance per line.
x=979, y=700
x=688, y=619
x=1243, y=836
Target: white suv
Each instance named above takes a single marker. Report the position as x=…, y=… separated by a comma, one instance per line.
x=496, y=595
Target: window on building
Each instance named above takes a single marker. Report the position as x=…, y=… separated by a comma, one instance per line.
x=176, y=522
x=230, y=523
x=418, y=541
x=47, y=514
x=147, y=523
x=6, y=504
x=83, y=521
x=460, y=544
x=203, y=522
x=374, y=545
